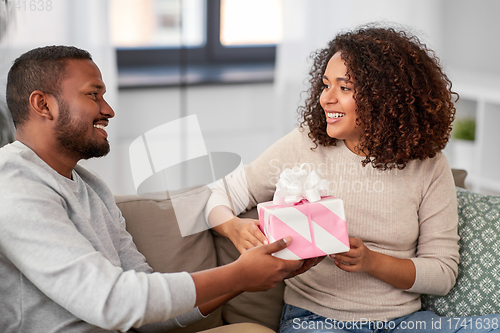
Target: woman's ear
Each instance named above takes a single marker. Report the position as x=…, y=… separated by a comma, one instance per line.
x=43, y=104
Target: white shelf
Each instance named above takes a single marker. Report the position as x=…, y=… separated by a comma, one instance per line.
x=479, y=98
x=476, y=86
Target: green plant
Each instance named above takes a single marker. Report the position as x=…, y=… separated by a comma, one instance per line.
x=464, y=129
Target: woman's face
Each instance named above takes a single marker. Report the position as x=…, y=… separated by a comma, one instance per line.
x=339, y=105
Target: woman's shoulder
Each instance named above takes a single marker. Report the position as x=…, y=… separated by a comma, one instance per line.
x=429, y=168
x=439, y=161
x=300, y=135
x=288, y=149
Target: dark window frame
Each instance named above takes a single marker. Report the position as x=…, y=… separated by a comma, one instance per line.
x=212, y=56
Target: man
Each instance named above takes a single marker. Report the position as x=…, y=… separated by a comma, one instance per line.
x=67, y=263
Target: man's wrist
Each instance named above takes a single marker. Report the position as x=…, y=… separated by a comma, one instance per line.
x=236, y=272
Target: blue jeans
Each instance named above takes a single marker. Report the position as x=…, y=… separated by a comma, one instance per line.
x=295, y=320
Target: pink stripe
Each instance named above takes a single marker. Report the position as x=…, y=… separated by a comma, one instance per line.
x=300, y=245
x=261, y=220
x=327, y=219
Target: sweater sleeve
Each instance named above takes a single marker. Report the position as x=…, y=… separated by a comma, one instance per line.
x=177, y=322
x=130, y=257
x=38, y=237
x=437, y=254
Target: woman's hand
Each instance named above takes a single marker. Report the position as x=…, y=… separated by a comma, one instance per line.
x=357, y=259
x=244, y=233
x=397, y=272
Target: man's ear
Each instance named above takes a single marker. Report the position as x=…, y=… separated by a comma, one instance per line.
x=43, y=104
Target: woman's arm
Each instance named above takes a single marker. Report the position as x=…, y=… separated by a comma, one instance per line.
x=230, y=197
x=245, y=188
x=243, y=233
x=397, y=272
x=437, y=253
x=437, y=249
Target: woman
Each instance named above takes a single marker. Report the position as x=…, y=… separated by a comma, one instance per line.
x=378, y=114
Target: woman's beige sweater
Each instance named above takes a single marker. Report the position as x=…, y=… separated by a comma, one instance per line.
x=409, y=213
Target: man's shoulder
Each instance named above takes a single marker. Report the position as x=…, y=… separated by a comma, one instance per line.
x=11, y=150
x=23, y=176
x=17, y=157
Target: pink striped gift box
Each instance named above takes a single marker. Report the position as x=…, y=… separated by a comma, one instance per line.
x=317, y=228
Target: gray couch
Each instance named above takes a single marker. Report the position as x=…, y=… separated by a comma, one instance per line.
x=153, y=226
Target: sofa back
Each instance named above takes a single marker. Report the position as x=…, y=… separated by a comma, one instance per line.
x=153, y=226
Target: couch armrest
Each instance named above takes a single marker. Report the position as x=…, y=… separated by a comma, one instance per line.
x=459, y=177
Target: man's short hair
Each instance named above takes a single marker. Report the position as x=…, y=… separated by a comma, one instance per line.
x=39, y=69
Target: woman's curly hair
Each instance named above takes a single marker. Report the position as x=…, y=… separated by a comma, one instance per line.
x=403, y=98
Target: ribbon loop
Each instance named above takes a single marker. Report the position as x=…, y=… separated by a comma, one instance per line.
x=299, y=183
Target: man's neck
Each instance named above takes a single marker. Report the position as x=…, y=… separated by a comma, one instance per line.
x=50, y=153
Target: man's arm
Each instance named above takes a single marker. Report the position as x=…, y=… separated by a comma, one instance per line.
x=255, y=270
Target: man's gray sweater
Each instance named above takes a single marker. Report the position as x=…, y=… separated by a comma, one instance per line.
x=67, y=264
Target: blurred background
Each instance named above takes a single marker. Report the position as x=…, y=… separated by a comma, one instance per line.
x=241, y=66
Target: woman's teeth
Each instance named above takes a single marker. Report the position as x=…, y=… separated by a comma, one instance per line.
x=335, y=115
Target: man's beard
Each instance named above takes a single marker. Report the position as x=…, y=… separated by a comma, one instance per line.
x=71, y=137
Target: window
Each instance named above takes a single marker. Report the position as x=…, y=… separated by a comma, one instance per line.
x=158, y=23
x=250, y=22
x=164, y=42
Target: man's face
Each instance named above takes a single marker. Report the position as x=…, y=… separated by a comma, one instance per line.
x=83, y=112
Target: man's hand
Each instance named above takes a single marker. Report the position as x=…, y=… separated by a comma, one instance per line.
x=307, y=264
x=259, y=270
x=255, y=270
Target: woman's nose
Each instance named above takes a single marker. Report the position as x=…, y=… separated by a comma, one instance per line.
x=328, y=96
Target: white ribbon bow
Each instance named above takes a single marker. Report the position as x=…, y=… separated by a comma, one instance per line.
x=297, y=184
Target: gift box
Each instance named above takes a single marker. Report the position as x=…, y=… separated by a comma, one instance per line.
x=317, y=228
x=301, y=208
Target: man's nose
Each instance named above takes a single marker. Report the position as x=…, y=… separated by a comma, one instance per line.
x=107, y=110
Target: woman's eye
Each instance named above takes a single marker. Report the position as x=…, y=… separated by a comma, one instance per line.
x=326, y=86
x=345, y=88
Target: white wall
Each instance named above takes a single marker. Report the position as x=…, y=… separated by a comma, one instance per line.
x=471, y=35
x=233, y=118
x=246, y=119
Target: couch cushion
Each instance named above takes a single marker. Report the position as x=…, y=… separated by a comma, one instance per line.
x=153, y=226
x=478, y=281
